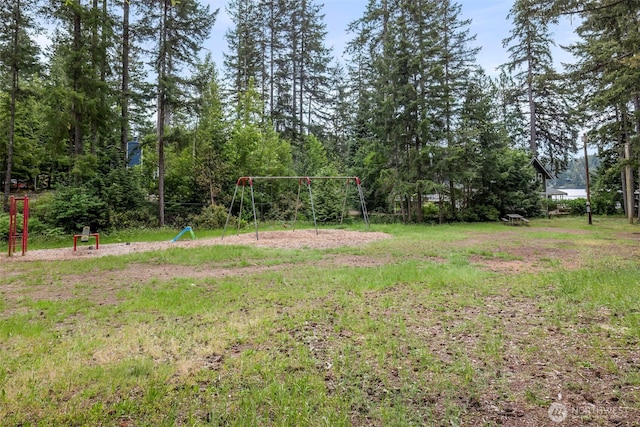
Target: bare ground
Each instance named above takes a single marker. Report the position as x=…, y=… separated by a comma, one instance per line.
x=323, y=239
x=539, y=360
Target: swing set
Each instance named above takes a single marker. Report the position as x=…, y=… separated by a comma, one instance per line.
x=306, y=180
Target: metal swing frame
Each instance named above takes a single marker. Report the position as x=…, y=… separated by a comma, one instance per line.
x=243, y=181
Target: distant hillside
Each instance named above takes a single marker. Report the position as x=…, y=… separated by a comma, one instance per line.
x=575, y=176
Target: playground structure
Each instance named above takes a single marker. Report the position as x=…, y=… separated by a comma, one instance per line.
x=13, y=224
x=84, y=237
x=243, y=181
x=189, y=229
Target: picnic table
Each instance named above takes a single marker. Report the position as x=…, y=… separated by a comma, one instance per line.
x=515, y=219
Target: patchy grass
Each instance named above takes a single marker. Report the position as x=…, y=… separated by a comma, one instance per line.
x=452, y=325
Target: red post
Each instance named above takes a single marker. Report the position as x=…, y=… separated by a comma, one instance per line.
x=13, y=224
x=25, y=224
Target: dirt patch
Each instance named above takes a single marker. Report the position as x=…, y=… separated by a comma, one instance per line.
x=102, y=287
x=298, y=239
x=531, y=258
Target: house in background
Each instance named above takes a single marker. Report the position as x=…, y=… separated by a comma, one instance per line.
x=542, y=174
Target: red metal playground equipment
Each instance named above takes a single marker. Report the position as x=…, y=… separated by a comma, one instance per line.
x=13, y=224
x=243, y=181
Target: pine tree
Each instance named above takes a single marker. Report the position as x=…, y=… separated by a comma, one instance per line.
x=607, y=70
x=279, y=44
x=18, y=54
x=211, y=136
x=178, y=29
x=245, y=62
x=456, y=61
x=552, y=132
x=413, y=58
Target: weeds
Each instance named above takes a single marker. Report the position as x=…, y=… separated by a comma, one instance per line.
x=433, y=330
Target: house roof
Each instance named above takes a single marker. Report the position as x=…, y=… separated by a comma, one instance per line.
x=555, y=192
x=539, y=167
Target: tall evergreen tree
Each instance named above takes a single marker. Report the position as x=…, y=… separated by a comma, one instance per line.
x=552, y=132
x=245, y=62
x=79, y=73
x=18, y=55
x=178, y=30
x=609, y=73
x=209, y=169
x=413, y=59
x=279, y=44
x=456, y=63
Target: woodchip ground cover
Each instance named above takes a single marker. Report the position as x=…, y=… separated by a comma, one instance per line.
x=448, y=325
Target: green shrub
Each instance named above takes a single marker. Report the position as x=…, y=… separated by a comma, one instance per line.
x=606, y=202
x=480, y=213
x=577, y=206
x=36, y=227
x=4, y=226
x=142, y=217
x=213, y=217
x=430, y=211
x=71, y=209
x=383, y=218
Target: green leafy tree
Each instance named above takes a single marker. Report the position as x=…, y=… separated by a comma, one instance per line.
x=210, y=170
x=254, y=148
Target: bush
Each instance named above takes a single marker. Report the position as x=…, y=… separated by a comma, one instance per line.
x=382, y=218
x=139, y=218
x=577, y=206
x=606, y=203
x=212, y=217
x=36, y=227
x=71, y=209
x=480, y=213
x=4, y=226
x=430, y=211
x=283, y=209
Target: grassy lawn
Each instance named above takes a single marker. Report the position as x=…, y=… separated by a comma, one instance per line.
x=479, y=324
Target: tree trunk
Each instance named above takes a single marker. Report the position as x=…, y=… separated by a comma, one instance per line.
x=303, y=11
x=294, y=76
x=636, y=103
x=95, y=59
x=76, y=108
x=533, y=143
x=419, y=212
x=272, y=44
x=12, y=113
x=124, y=100
x=162, y=111
x=628, y=171
x=638, y=211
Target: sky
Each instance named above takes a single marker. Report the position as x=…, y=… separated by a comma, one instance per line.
x=488, y=22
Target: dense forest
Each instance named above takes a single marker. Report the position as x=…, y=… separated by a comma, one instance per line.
x=410, y=112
